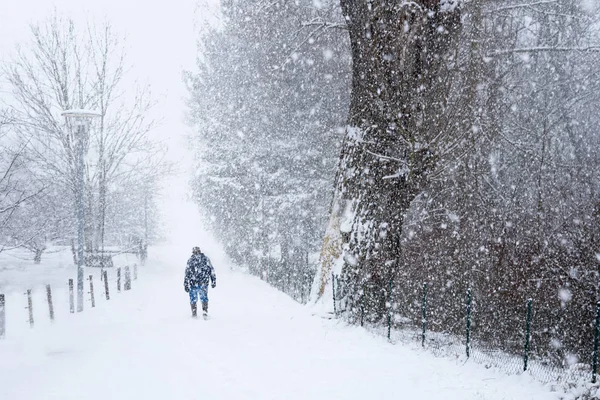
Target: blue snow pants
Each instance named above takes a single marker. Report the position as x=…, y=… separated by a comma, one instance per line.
x=201, y=291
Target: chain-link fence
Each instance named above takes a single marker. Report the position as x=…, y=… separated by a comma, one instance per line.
x=470, y=328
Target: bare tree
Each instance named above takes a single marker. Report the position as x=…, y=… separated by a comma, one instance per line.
x=16, y=187
x=70, y=67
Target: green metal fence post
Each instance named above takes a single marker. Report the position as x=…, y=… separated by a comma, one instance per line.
x=389, y=316
x=333, y=291
x=424, y=314
x=468, y=322
x=527, y=335
x=362, y=306
x=596, y=340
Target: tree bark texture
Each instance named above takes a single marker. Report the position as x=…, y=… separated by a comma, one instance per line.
x=403, y=54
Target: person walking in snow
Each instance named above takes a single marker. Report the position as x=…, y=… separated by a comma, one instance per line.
x=198, y=273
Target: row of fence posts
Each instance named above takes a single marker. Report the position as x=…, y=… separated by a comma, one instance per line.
x=468, y=305
x=103, y=276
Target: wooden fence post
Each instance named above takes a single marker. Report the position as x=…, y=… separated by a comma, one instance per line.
x=71, y=297
x=92, y=291
x=50, y=305
x=127, y=285
x=106, y=285
x=30, y=307
x=119, y=279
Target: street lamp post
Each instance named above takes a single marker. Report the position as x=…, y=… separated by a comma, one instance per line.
x=81, y=119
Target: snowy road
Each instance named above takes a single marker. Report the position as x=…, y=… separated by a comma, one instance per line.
x=259, y=344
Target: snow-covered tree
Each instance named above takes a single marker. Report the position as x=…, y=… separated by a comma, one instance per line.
x=267, y=102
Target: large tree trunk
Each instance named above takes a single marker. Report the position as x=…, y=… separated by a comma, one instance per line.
x=402, y=54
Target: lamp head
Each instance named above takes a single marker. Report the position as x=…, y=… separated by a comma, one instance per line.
x=81, y=116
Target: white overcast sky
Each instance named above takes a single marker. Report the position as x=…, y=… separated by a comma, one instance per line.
x=161, y=42
x=160, y=38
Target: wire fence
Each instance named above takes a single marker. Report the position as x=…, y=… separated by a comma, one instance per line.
x=293, y=278
x=472, y=335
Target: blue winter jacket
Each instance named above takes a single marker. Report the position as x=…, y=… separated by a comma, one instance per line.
x=198, y=272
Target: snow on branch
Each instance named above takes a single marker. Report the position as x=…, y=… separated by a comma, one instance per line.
x=325, y=24
x=523, y=5
x=388, y=158
x=322, y=26
x=545, y=49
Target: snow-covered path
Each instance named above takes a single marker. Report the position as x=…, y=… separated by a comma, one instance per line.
x=259, y=344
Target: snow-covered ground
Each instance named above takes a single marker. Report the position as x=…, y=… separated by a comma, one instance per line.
x=258, y=344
